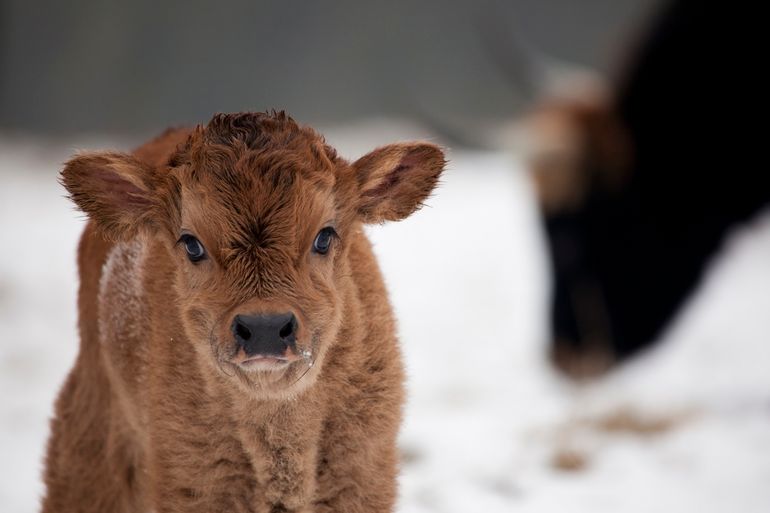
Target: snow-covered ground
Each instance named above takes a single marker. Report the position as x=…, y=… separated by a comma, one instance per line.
x=489, y=427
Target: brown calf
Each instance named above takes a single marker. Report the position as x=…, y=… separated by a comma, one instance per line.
x=238, y=351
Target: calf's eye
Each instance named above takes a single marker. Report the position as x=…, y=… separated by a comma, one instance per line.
x=195, y=250
x=323, y=240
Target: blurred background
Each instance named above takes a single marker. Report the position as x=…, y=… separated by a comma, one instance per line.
x=96, y=67
x=600, y=239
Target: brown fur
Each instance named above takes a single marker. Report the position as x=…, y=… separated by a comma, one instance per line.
x=575, y=144
x=157, y=414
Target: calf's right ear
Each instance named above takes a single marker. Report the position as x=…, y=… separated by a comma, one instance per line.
x=114, y=189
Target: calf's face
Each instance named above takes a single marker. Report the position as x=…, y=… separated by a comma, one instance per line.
x=255, y=213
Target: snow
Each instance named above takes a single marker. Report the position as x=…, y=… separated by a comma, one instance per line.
x=487, y=418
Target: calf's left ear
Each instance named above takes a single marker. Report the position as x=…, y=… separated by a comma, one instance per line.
x=114, y=189
x=395, y=180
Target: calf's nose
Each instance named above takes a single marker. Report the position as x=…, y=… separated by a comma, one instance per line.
x=265, y=334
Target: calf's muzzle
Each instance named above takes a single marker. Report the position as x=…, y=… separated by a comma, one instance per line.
x=269, y=335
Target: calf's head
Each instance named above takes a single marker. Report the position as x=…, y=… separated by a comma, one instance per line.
x=255, y=213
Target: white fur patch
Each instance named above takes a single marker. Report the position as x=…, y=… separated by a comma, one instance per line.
x=123, y=330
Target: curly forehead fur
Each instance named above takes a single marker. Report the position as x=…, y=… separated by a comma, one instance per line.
x=256, y=185
x=270, y=141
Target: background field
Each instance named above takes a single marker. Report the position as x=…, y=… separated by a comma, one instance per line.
x=489, y=427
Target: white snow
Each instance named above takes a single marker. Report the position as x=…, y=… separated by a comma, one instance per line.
x=486, y=415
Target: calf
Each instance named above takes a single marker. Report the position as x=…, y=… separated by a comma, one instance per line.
x=238, y=351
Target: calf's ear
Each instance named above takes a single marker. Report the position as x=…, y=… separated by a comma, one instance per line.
x=395, y=180
x=114, y=189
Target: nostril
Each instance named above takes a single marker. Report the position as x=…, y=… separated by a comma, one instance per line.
x=287, y=330
x=242, y=331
